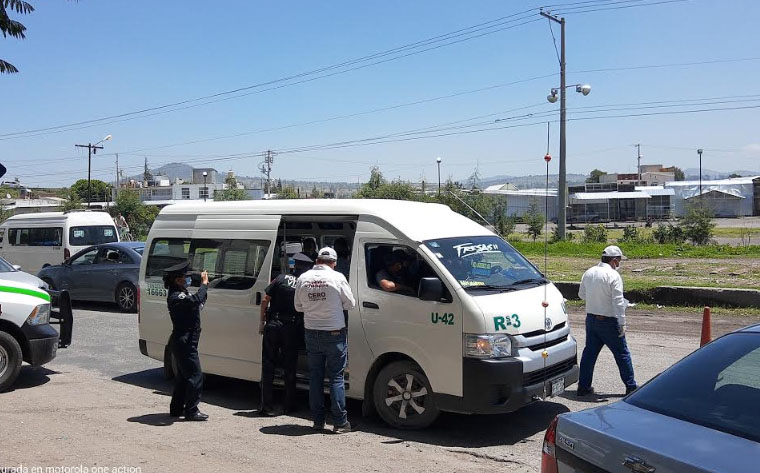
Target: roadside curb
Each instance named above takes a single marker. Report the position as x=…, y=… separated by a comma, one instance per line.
x=680, y=295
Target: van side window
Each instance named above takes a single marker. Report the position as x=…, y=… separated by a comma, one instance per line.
x=398, y=264
x=231, y=264
x=38, y=236
x=165, y=253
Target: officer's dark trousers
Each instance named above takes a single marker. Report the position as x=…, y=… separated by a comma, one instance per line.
x=280, y=346
x=189, y=379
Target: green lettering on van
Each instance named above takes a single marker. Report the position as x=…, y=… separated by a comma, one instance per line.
x=499, y=323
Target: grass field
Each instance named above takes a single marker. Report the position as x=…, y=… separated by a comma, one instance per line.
x=716, y=311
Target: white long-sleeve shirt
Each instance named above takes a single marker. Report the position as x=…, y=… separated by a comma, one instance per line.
x=322, y=294
x=602, y=289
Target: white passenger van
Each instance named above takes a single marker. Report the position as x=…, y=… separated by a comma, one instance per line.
x=33, y=240
x=473, y=337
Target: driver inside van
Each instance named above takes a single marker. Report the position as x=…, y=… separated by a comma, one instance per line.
x=391, y=279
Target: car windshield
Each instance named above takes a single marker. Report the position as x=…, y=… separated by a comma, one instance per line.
x=92, y=235
x=486, y=262
x=717, y=387
x=6, y=267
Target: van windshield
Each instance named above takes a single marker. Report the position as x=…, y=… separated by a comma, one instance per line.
x=92, y=235
x=485, y=262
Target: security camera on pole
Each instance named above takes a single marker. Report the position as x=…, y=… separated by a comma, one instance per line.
x=584, y=89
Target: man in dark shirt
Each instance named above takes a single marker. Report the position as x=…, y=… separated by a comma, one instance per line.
x=391, y=279
x=185, y=312
x=281, y=326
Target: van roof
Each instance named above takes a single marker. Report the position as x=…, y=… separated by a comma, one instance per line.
x=419, y=221
x=85, y=216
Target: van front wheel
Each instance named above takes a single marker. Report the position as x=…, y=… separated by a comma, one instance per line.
x=10, y=360
x=403, y=396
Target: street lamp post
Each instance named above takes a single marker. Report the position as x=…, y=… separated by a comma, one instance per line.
x=699, y=152
x=584, y=89
x=205, y=187
x=91, y=149
x=438, y=160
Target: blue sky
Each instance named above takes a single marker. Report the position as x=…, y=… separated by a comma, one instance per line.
x=84, y=60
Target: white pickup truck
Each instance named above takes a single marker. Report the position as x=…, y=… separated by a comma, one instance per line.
x=25, y=330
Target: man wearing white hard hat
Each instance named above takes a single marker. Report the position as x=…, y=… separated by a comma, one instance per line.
x=602, y=289
x=323, y=294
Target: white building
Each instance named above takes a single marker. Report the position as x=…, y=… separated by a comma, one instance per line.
x=736, y=197
x=519, y=201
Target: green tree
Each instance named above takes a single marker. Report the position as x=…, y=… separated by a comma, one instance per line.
x=139, y=216
x=679, y=175
x=73, y=202
x=733, y=175
x=594, y=176
x=231, y=193
x=535, y=220
x=100, y=191
x=11, y=27
x=697, y=224
x=288, y=192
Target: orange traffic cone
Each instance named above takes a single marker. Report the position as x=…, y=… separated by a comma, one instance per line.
x=706, y=328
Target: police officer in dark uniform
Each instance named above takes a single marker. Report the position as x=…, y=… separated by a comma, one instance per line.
x=185, y=312
x=282, y=328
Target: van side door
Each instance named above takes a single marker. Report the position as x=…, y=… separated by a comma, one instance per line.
x=237, y=253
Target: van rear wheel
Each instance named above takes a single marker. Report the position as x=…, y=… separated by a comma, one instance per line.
x=10, y=360
x=403, y=396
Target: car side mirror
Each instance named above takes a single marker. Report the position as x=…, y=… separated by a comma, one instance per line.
x=430, y=289
x=17, y=267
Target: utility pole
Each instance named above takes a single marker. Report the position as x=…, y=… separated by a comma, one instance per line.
x=266, y=169
x=117, y=177
x=638, y=152
x=562, y=191
x=699, y=152
x=91, y=149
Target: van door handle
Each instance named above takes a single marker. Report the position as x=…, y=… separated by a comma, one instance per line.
x=370, y=305
x=258, y=298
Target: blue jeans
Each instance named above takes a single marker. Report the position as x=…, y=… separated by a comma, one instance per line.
x=598, y=334
x=327, y=350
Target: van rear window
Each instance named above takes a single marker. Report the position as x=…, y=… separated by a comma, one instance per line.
x=92, y=235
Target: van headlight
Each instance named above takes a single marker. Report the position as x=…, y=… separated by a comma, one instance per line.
x=487, y=346
x=40, y=315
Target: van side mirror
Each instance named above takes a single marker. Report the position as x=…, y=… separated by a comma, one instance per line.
x=431, y=289
x=17, y=267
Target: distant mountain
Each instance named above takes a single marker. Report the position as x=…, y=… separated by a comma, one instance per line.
x=693, y=173
x=532, y=182
x=172, y=171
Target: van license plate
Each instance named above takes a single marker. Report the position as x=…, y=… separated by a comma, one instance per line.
x=558, y=386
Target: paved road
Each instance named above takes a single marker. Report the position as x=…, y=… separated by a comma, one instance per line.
x=102, y=402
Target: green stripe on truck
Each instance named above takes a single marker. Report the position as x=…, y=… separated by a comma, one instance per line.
x=29, y=292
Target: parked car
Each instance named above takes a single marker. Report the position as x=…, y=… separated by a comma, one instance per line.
x=12, y=272
x=700, y=415
x=101, y=273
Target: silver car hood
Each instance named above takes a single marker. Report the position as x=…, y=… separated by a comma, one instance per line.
x=20, y=276
x=607, y=435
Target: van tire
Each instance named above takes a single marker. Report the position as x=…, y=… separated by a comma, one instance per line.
x=403, y=397
x=10, y=360
x=126, y=297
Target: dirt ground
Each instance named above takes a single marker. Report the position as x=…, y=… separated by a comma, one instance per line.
x=71, y=415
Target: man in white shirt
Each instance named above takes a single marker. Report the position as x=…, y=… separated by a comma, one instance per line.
x=323, y=294
x=602, y=289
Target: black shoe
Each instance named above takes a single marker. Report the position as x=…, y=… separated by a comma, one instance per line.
x=175, y=413
x=267, y=413
x=584, y=392
x=197, y=416
x=629, y=389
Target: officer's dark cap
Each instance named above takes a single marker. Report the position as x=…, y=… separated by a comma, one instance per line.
x=177, y=270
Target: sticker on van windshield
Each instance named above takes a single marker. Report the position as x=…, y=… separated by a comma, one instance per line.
x=108, y=232
x=480, y=268
x=470, y=283
x=469, y=249
x=78, y=233
x=501, y=323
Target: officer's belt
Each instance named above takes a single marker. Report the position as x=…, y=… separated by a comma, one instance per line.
x=276, y=316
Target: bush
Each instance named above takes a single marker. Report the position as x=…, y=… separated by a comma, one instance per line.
x=631, y=234
x=505, y=225
x=669, y=233
x=697, y=225
x=595, y=234
x=555, y=238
